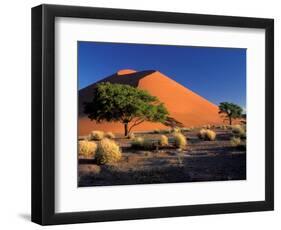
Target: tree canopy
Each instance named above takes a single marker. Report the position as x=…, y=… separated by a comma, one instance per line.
x=126, y=104
x=230, y=110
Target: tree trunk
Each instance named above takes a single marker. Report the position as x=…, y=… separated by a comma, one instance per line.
x=126, y=129
x=230, y=120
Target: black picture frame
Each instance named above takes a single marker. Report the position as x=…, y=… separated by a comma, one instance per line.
x=43, y=110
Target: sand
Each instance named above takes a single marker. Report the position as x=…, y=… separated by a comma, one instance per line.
x=183, y=105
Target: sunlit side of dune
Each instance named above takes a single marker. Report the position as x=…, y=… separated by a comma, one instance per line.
x=185, y=106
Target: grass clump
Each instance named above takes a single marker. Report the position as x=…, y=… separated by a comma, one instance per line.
x=208, y=126
x=107, y=152
x=87, y=149
x=164, y=141
x=110, y=135
x=210, y=135
x=180, y=158
x=157, y=131
x=224, y=127
x=176, y=130
x=207, y=134
x=96, y=135
x=131, y=136
x=141, y=143
x=239, y=131
x=180, y=140
x=186, y=129
x=235, y=141
x=201, y=133
x=238, y=143
x=165, y=131
x=137, y=142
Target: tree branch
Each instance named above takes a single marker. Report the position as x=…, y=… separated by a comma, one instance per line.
x=137, y=122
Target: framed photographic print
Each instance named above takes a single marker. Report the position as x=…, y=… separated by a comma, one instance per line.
x=142, y=114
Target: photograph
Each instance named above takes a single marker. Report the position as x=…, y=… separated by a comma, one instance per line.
x=142, y=114
x=150, y=114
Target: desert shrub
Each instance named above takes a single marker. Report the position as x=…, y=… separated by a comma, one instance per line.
x=191, y=128
x=107, y=152
x=210, y=135
x=110, y=135
x=157, y=131
x=87, y=149
x=238, y=130
x=208, y=126
x=235, y=141
x=180, y=140
x=201, y=133
x=96, y=135
x=141, y=143
x=238, y=143
x=176, y=130
x=165, y=131
x=137, y=142
x=131, y=136
x=185, y=129
x=148, y=145
x=223, y=127
x=243, y=135
x=180, y=158
x=207, y=134
x=164, y=141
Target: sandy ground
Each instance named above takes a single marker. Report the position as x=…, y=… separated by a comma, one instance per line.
x=201, y=161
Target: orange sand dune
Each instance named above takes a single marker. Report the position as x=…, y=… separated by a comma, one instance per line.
x=183, y=105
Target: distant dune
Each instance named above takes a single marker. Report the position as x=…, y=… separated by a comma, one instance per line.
x=184, y=106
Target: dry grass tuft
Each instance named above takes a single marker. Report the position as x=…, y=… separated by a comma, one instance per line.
x=237, y=129
x=87, y=149
x=176, y=130
x=210, y=135
x=208, y=126
x=224, y=127
x=180, y=140
x=96, y=135
x=201, y=133
x=207, y=134
x=238, y=143
x=164, y=141
x=137, y=142
x=141, y=143
x=110, y=135
x=131, y=136
x=108, y=152
x=186, y=129
x=235, y=141
x=157, y=131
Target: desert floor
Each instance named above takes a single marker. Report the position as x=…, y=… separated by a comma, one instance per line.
x=201, y=161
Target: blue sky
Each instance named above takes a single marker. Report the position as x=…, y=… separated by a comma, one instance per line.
x=217, y=74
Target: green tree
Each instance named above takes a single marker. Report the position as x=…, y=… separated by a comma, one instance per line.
x=126, y=104
x=230, y=110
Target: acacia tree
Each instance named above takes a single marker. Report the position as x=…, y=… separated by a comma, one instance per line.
x=126, y=104
x=230, y=110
